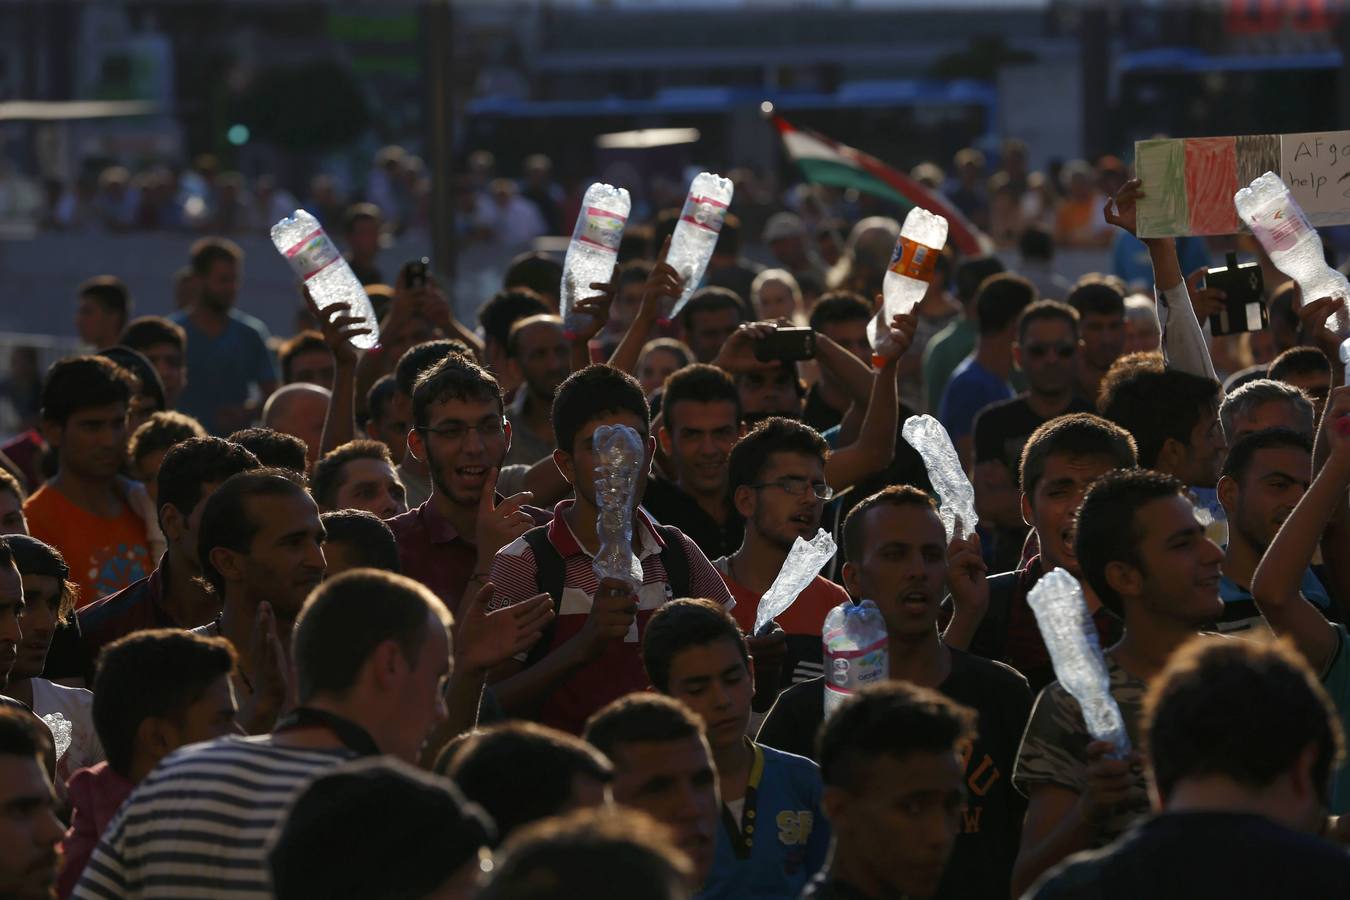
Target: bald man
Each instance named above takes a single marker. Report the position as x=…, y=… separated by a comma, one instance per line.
x=299, y=410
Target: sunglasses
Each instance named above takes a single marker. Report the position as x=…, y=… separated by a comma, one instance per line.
x=1040, y=351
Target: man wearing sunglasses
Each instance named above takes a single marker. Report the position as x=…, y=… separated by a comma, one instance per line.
x=777, y=483
x=1047, y=351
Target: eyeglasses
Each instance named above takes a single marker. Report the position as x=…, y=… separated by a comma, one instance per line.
x=454, y=432
x=1040, y=351
x=798, y=487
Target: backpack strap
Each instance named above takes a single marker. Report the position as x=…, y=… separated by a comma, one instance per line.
x=548, y=576
x=675, y=560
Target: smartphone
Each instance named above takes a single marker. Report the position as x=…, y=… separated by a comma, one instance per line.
x=415, y=273
x=1245, y=304
x=787, y=345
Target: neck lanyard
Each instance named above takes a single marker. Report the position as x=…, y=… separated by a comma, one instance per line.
x=352, y=736
x=742, y=833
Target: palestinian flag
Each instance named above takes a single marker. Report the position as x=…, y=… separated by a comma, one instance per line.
x=828, y=162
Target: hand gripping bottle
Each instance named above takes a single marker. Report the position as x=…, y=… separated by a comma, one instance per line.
x=312, y=256
x=912, y=263
x=1277, y=221
x=856, y=651
x=691, y=246
x=1071, y=638
x=594, y=249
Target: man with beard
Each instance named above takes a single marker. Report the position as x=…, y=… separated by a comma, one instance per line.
x=460, y=432
x=899, y=557
x=227, y=351
x=1265, y=476
x=539, y=358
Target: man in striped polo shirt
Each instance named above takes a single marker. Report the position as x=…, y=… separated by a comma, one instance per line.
x=367, y=684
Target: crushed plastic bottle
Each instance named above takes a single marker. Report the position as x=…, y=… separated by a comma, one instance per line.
x=803, y=563
x=594, y=249
x=315, y=258
x=912, y=264
x=1071, y=638
x=63, y=732
x=695, y=236
x=620, y=453
x=856, y=651
x=1278, y=222
x=931, y=441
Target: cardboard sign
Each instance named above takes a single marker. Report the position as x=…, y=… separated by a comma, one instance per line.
x=1189, y=182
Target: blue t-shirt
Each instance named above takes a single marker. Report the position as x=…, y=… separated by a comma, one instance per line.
x=1240, y=612
x=1336, y=679
x=221, y=370
x=782, y=839
x=972, y=388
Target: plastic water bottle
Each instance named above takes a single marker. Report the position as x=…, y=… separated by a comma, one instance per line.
x=912, y=264
x=856, y=651
x=315, y=258
x=1277, y=221
x=691, y=246
x=594, y=249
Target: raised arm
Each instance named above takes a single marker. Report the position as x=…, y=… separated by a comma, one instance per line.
x=1275, y=584
x=875, y=447
x=664, y=281
x=339, y=423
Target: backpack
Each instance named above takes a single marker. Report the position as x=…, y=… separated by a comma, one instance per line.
x=549, y=574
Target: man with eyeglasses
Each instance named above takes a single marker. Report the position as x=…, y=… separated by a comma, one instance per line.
x=777, y=483
x=1047, y=351
x=460, y=432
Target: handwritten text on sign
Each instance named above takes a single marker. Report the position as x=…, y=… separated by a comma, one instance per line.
x=1316, y=166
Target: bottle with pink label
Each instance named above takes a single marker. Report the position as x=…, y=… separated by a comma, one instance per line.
x=691, y=246
x=314, y=257
x=1278, y=222
x=594, y=249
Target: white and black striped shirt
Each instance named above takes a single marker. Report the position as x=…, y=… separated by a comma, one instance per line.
x=197, y=825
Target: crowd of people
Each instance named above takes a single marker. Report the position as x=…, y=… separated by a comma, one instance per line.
x=293, y=620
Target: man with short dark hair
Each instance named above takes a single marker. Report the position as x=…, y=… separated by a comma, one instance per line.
x=102, y=312
x=1241, y=742
x=306, y=359
x=900, y=559
x=1100, y=303
x=1307, y=369
x=496, y=318
x=12, y=608
x=358, y=475
x=695, y=652
x=538, y=272
x=1046, y=350
x=709, y=319
x=411, y=365
x=361, y=226
x=983, y=378
x=366, y=685
x=165, y=345
x=1060, y=461
x=1173, y=416
x=274, y=449
x=172, y=596
x=157, y=690
x=84, y=510
x=520, y=772
x=539, y=357
x=663, y=767
x=842, y=316
x=459, y=430
x=1145, y=556
x=891, y=758
x=388, y=417
x=149, y=443
x=431, y=842
x=591, y=657
x=951, y=345
x=777, y=481
x=700, y=422
x=227, y=353
x=29, y=864
x=356, y=539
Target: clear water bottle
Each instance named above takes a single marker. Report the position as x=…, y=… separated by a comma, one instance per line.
x=912, y=264
x=1277, y=221
x=691, y=246
x=594, y=249
x=315, y=258
x=856, y=650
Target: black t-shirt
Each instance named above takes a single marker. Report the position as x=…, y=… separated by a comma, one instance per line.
x=818, y=414
x=1180, y=856
x=1002, y=429
x=982, y=860
x=671, y=506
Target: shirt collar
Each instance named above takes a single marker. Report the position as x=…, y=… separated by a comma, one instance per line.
x=565, y=541
x=439, y=529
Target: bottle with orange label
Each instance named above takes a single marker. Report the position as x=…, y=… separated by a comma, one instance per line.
x=912, y=264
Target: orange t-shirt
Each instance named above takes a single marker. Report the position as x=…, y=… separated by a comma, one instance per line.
x=104, y=555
